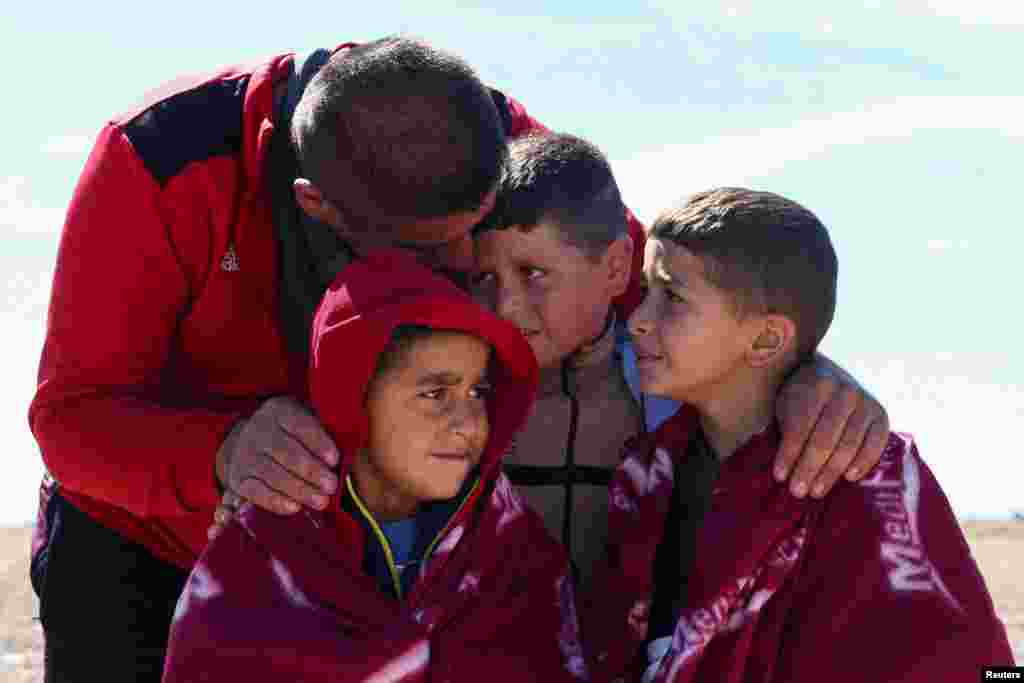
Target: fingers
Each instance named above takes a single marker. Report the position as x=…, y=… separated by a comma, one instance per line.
x=842, y=461
x=271, y=462
x=272, y=487
x=312, y=476
x=821, y=445
x=303, y=426
x=799, y=406
x=871, y=448
x=224, y=513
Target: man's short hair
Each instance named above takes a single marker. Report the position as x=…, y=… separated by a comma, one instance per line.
x=396, y=130
x=566, y=180
x=768, y=253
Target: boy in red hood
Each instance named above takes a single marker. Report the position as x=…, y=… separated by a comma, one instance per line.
x=426, y=565
x=713, y=572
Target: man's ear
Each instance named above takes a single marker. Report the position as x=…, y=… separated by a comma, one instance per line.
x=774, y=338
x=618, y=259
x=312, y=201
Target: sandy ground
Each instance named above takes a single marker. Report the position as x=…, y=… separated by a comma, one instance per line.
x=998, y=548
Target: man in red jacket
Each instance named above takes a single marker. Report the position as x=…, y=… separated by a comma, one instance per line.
x=200, y=238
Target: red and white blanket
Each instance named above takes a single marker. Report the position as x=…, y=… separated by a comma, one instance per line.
x=874, y=583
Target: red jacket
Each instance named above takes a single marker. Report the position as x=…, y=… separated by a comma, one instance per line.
x=874, y=583
x=163, y=322
x=287, y=599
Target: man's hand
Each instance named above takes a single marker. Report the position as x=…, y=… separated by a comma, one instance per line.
x=279, y=459
x=830, y=427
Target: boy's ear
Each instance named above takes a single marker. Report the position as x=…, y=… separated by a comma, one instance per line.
x=619, y=260
x=775, y=338
x=312, y=201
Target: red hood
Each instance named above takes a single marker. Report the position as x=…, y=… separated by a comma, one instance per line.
x=287, y=598
x=355, y=321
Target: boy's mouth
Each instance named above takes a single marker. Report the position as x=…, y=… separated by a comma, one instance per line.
x=462, y=456
x=528, y=333
x=645, y=358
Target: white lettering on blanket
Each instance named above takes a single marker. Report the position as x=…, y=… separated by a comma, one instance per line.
x=732, y=609
x=644, y=477
x=412, y=661
x=894, y=490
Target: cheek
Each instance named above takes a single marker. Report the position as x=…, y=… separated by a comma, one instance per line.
x=395, y=429
x=679, y=333
x=572, y=317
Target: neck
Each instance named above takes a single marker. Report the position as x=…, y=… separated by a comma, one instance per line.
x=385, y=503
x=589, y=363
x=737, y=411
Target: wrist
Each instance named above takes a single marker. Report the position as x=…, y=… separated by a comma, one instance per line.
x=222, y=461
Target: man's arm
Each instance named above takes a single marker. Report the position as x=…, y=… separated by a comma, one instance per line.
x=120, y=288
x=830, y=427
x=118, y=292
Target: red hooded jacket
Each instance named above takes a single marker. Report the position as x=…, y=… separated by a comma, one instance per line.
x=287, y=599
x=873, y=583
x=163, y=324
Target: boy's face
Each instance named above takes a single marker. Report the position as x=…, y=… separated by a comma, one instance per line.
x=555, y=294
x=687, y=336
x=428, y=424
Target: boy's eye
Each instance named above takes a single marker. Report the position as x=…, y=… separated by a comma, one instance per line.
x=533, y=273
x=482, y=391
x=482, y=278
x=673, y=297
x=435, y=394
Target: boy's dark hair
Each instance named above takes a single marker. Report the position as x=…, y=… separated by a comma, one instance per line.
x=402, y=339
x=564, y=179
x=770, y=254
x=395, y=130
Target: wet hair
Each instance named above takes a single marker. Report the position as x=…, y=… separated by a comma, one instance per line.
x=567, y=181
x=396, y=130
x=768, y=253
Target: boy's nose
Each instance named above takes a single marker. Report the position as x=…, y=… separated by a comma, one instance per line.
x=469, y=420
x=508, y=303
x=639, y=322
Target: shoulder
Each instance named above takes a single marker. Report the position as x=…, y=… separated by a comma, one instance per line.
x=194, y=117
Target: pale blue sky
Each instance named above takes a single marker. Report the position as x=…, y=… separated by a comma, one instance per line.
x=900, y=123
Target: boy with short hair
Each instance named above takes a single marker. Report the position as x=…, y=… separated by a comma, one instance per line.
x=875, y=582
x=563, y=256
x=426, y=565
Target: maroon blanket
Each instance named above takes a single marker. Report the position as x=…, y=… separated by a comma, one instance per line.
x=287, y=598
x=875, y=583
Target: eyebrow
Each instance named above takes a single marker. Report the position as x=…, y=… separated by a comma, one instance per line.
x=444, y=377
